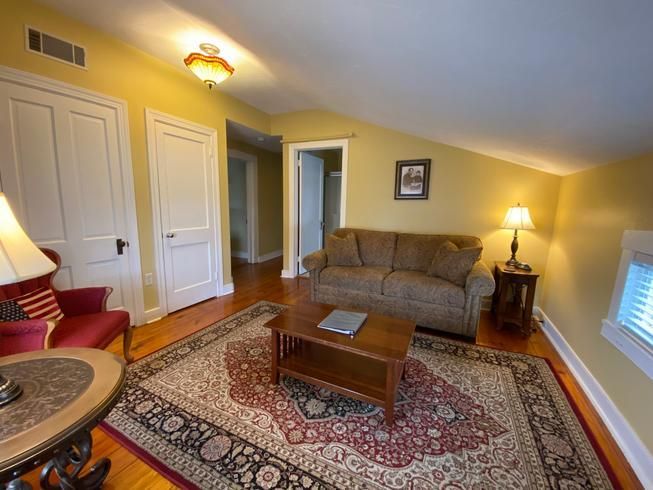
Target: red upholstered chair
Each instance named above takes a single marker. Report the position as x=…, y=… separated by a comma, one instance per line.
x=86, y=323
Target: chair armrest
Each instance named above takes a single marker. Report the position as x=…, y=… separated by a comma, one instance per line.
x=479, y=281
x=25, y=336
x=83, y=301
x=315, y=261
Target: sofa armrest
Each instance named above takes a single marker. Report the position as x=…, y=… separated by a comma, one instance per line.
x=479, y=281
x=83, y=301
x=25, y=336
x=315, y=261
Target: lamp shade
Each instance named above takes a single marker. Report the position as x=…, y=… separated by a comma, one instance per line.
x=209, y=68
x=518, y=218
x=20, y=259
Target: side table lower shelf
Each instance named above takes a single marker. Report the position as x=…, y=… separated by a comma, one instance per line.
x=509, y=303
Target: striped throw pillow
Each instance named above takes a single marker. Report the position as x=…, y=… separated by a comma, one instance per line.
x=40, y=303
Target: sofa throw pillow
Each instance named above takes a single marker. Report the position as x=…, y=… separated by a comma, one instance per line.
x=10, y=311
x=343, y=251
x=452, y=263
x=40, y=303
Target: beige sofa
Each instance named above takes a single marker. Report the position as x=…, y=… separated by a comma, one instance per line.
x=393, y=281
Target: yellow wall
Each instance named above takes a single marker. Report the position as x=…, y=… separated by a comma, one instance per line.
x=470, y=193
x=594, y=209
x=270, y=200
x=122, y=71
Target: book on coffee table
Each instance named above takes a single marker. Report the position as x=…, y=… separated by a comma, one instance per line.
x=341, y=321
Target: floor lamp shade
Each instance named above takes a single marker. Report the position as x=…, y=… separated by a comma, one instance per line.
x=20, y=259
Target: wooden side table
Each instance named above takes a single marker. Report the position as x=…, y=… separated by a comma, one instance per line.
x=66, y=392
x=508, y=303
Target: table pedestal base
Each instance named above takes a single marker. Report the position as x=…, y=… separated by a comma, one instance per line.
x=68, y=465
x=76, y=457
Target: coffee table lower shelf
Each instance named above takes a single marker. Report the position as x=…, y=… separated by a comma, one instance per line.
x=352, y=375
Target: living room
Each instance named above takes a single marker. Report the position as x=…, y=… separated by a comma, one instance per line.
x=567, y=136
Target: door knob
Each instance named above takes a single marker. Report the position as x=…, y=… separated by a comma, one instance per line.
x=120, y=245
x=170, y=234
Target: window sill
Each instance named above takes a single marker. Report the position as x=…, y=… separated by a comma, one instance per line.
x=638, y=353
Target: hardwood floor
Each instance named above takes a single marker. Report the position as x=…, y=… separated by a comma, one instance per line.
x=262, y=282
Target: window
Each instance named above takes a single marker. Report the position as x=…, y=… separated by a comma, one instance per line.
x=629, y=325
x=636, y=310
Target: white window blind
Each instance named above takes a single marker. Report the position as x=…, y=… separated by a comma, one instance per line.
x=636, y=309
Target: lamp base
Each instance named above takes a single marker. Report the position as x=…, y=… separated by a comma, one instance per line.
x=9, y=390
x=514, y=246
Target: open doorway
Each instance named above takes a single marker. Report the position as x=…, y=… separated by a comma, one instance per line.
x=320, y=182
x=241, y=169
x=317, y=214
x=255, y=180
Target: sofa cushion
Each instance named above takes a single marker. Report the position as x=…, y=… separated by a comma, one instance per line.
x=93, y=330
x=416, y=252
x=342, y=251
x=453, y=264
x=366, y=279
x=418, y=286
x=376, y=248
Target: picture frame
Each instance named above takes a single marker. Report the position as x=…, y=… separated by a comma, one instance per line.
x=412, y=178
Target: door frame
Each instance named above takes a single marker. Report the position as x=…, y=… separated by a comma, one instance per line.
x=292, y=216
x=126, y=169
x=152, y=116
x=251, y=184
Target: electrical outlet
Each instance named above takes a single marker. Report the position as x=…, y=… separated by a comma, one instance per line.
x=148, y=279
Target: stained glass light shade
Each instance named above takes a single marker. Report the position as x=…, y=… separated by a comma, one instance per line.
x=208, y=68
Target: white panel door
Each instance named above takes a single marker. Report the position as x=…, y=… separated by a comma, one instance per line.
x=60, y=164
x=184, y=160
x=311, y=203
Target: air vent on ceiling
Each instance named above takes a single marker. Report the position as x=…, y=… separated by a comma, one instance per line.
x=54, y=47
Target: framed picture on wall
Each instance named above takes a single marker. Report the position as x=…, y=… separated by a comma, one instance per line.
x=412, y=179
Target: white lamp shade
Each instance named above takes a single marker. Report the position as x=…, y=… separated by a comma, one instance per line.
x=518, y=218
x=20, y=259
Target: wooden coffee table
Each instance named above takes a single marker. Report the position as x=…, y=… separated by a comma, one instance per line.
x=367, y=367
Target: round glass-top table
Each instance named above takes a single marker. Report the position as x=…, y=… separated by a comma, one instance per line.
x=66, y=392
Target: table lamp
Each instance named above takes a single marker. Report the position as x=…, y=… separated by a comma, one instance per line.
x=20, y=259
x=517, y=218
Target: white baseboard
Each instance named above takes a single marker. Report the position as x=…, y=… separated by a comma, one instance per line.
x=153, y=315
x=240, y=255
x=227, y=289
x=269, y=256
x=286, y=274
x=637, y=454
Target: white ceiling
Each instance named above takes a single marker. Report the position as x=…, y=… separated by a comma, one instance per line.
x=253, y=137
x=559, y=85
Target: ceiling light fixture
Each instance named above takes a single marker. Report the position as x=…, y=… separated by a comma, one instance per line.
x=209, y=67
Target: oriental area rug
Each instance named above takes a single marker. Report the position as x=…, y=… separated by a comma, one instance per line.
x=203, y=412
